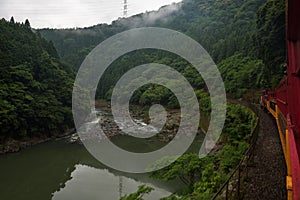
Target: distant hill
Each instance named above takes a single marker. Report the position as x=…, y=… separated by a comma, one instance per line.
x=250, y=28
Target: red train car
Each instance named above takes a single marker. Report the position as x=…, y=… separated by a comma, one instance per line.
x=283, y=102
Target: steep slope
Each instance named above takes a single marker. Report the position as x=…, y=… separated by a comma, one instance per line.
x=222, y=27
x=35, y=87
x=244, y=37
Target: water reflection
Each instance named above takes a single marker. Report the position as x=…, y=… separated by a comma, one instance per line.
x=92, y=183
x=60, y=170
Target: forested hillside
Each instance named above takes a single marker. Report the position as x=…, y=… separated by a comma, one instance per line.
x=35, y=87
x=243, y=37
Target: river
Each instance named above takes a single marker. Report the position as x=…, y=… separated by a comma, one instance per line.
x=62, y=170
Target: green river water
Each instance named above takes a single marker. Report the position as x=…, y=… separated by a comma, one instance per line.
x=60, y=170
x=66, y=171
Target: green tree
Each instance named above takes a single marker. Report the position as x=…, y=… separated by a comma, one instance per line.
x=138, y=195
x=270, y=39
x=12, y=20
x=187, y=168
x=27, y=23
x=35, y=88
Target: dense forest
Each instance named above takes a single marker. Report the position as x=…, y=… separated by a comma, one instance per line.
x=35, y=89
x=243, y=37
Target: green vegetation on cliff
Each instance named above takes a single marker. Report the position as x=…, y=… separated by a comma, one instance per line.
x=35, y=87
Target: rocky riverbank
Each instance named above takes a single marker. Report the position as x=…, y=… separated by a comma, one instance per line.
x=108, y=125
x=11, y=145
x=137, y=112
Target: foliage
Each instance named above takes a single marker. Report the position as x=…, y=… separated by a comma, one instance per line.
x=212, y=23
x=241, y=73
x=270, y=40
x=151, y=93
x=35, y=88
x=232, y=32
x=204, y=176
x=204, y=100
x=138, y=195
x=185, y=167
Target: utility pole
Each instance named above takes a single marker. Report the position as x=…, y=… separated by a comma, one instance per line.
x=125, y=8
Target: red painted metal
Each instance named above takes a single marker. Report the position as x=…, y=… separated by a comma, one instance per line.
x=281, y=96
x=293, y=16
x=293, y=90
x=287, y=94
x=295, y=165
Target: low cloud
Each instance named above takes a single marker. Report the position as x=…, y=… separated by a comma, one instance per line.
x=163, y=15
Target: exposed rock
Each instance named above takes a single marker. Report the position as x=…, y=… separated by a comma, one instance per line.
x=11, y=145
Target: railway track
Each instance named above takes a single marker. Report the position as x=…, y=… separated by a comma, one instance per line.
x=266, y=178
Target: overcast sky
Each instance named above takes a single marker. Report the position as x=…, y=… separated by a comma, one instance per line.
x=73, y=13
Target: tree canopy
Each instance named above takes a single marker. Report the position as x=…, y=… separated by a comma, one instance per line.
x=35, y=87
x=242, y=35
